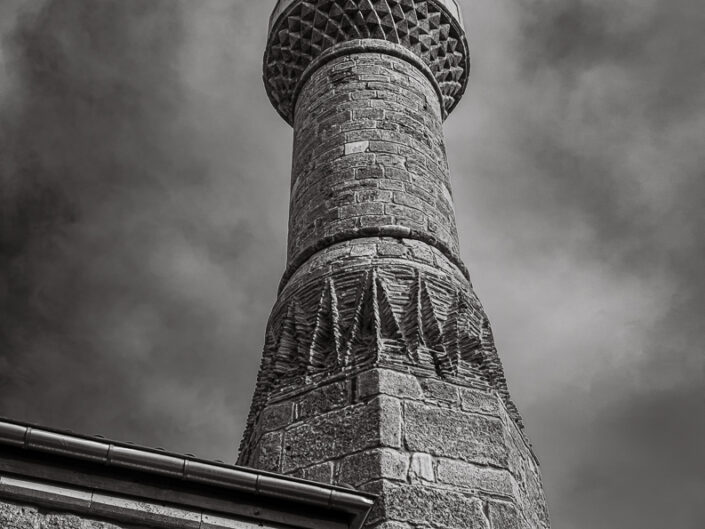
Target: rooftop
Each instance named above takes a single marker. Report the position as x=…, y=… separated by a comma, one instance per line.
x=35, y=459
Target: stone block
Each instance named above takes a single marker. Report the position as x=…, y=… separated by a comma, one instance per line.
x=403, y=212
x=389, y=249
x=341, y=432
x=406, y=199
x=276, y=416
x=469, y=476
x=479, y=402
x=356, y=146
x=269, y=452
x=322, y=400
x=428, y=506
x=363, y=250
x=363, y=467
x=391, y=185
x=506, y=516
x=363, y=173
x=14, y=516
x=388, y=382
x=322, y=473
x=384, y=146
x=439, y=391
x=374, y=221
x=373, y=195
x=454, y=434
x=369, y=113
x=422, y=467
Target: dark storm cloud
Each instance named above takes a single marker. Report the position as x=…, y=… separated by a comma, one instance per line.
x=126, y=305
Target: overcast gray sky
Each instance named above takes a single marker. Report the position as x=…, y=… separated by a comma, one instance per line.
x=143, y=209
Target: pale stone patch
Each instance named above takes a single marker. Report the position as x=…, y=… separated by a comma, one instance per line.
x=422, y=467
x=356, y=146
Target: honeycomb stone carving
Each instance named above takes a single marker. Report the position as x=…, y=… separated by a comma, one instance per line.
x=307, y=28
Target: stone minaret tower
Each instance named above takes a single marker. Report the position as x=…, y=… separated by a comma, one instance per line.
x=379, y=368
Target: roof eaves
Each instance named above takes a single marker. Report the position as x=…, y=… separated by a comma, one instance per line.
x=190, y=469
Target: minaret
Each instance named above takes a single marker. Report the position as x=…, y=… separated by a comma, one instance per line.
x=379, y=368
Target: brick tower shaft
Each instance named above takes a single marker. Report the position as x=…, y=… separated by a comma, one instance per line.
x=379, y=369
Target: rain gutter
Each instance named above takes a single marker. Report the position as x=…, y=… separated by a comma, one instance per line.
x=186, y=468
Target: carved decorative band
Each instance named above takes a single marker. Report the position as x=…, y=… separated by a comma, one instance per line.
x=354, y=317
x=309, y=27
x=389, y=312
x=398, y=232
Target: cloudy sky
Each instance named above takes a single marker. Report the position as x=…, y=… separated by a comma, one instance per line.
x=143, y=207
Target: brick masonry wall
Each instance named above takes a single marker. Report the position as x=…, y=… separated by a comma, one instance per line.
x=369, y=152
x=438, y=453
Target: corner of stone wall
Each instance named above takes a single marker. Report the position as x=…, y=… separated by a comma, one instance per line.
x=431, y=449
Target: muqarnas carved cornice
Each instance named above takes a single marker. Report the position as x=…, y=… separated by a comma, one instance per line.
x=305, y=29
x=394, y=316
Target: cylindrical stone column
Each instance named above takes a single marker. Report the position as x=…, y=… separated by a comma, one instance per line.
x=369, y=155
x=379, y=368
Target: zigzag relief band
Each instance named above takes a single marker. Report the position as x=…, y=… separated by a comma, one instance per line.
x=377, y=324
x=390, y=311
x=309, y=27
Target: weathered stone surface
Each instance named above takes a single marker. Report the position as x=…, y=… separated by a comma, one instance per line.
x=439, y=391
x=70, y=521
x=276, y=416
x=506, y=516
x=422, y=467
x=470, y=476
x=322, y=473
x=386, y=382
x=442, y=508
x=335, y=434
x=17, y=517
x=14, y=516
x=453, y=434
x=479, y=401
x=363, y=467
x=269, y=452
x=322, y=400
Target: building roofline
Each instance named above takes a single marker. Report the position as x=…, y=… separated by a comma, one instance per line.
x=33, y=438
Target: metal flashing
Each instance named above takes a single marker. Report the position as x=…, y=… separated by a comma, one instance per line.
x=190, y=469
